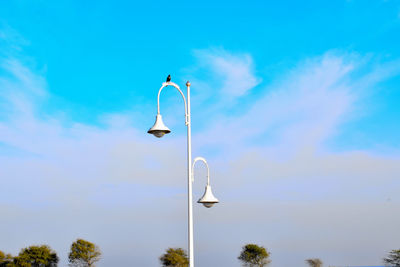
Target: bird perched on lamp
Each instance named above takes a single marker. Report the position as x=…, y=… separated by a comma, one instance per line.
x=168, y=78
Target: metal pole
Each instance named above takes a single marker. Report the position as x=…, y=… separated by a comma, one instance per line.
x=190, y=206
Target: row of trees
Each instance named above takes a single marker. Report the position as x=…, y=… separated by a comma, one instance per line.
x=82, y=254
x=85, y=254
x=253, y=255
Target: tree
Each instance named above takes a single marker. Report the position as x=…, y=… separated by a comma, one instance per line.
x=175, y=257
x=393, y=258
x=2, y=258
x=83, y=254
x=5, y=259
x=36, y=256
x=254, y=255
x=314, y=262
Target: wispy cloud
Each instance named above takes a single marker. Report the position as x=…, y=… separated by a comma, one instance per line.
x=10, y=40
x=305, y=108
x=235, y=71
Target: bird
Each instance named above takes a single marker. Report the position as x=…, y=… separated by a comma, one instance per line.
x=168, y=78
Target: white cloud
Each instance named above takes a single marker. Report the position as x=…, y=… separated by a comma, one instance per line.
x=235, y=71
x=303, y=109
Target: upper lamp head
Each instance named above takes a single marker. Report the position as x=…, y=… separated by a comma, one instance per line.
x=159, y=129
x=208, y=199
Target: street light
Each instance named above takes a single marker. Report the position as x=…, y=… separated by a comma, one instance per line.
x=208, y=199
x=159, y=130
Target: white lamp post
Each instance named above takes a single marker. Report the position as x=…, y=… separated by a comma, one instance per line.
x=159, y=130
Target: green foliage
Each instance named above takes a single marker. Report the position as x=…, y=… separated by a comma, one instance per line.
x=314, y=262
x=174, y=257
x=83, y=253
x=8, y=264
x=5, y=260
x=254, y=255
x=393, y=258
x=2, y=259
x=36, y=256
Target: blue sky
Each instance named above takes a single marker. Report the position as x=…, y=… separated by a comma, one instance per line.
x=294, y=105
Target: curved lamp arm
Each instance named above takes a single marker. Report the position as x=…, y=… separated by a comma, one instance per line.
x=180, y=91
x=208, y=169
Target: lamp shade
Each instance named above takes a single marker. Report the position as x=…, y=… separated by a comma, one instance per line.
x=208, y=199
x=159, y=129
